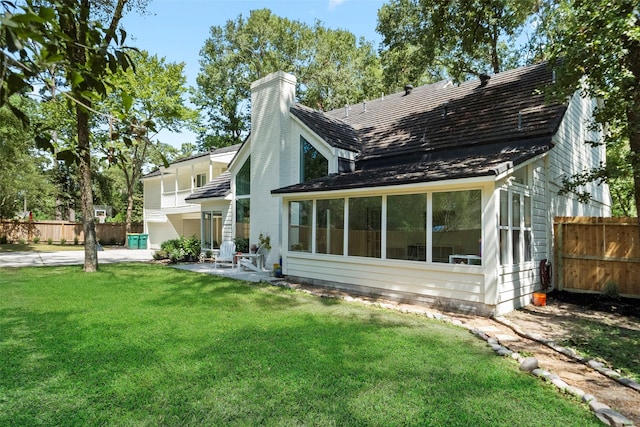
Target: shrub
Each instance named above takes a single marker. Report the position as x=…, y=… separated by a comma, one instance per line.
x=63, y=241
x=49, y=241
x=21, y=242
x=157, y=255
x=75, y=240
x=184, y=248
x=36, y=239
x=3, y=240
x=611, y=290
x=242, y=244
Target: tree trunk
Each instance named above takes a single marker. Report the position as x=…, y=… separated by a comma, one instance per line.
x=88, y=214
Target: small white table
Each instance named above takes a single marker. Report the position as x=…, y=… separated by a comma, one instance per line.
x=250, y=261
x=465, y=259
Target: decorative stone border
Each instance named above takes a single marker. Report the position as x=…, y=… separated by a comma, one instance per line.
x=598, y=366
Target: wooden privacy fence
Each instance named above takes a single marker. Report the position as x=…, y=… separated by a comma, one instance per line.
x=594, y=253
x=59, y=231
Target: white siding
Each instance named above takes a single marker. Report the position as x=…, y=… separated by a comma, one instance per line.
x=572, y=155
x=569, y=156
x=461, y=286
x=152, y=193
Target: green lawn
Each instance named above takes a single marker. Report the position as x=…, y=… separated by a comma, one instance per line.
x=141, y=344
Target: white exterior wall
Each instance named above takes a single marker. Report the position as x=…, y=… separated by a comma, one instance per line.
x=569, y=156
x=273, y=157
x=166, y=213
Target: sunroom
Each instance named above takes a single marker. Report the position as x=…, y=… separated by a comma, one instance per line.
x=417, y=236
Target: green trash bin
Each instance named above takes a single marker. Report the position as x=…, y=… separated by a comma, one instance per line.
x=133, y=241
x=142, y=241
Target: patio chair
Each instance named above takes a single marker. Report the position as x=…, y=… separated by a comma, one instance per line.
x=227, y=254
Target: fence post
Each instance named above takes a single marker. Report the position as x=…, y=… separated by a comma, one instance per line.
x=560, y=272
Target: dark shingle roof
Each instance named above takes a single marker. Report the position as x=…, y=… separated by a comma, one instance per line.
x=334, y=131
x=441, y=131
x=219, y=186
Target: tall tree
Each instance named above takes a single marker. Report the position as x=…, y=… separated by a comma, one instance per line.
x=40, y=36
x=333, y=69
x=144, y=102
x=22, y=168
x=427, y=40
x=596, y=46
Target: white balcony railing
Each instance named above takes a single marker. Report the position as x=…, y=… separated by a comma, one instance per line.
x=175, y=199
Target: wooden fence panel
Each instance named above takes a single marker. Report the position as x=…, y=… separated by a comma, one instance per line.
x=55, y=231
x=592, y=253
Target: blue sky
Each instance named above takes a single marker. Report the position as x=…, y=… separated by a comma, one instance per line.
x=177, y=29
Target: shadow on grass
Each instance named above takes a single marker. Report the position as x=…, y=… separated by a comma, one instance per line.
x=599, y=338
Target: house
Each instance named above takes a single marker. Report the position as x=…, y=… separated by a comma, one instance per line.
x=440, y=194
x=167, y=215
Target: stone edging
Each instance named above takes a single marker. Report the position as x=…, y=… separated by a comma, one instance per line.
x=530, y=364
x=598, y=366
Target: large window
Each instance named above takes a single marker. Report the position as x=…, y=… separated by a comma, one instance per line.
x=407, y=227
x=312, y=164
x=365, y=218
x=243, y=200
x=243, y=179
x=516, y=236
x=457, y=227
x=452, y=235
x=300, y=217
x=243, y=215
x=211, y=230
x=330, y=226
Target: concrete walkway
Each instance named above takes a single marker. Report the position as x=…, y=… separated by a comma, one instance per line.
x=233, y=273
x=39, y=259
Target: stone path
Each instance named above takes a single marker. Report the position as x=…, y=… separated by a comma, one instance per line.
x=613, y=402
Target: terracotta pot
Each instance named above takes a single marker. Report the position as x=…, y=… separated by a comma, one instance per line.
x=539, y=299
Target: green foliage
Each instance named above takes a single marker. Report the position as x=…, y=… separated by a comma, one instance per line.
x=426, y=41
x=160, y=346
x=242, y=244
x=332, y=67
x=181, y=249
x=595, y=46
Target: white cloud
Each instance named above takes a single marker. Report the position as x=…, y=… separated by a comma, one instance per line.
x=334, y=3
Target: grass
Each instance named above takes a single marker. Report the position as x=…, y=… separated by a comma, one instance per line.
x=140, y=344
x=610, y=342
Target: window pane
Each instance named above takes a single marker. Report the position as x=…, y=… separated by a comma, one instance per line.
x=243, y=179
x=206, y=230
x=528, y=245
x=330, y=226
x=242, y=218
x=515, y=210
x=504, y=247
x=516, y=246
x=407, y=227
x=300, y=226
x=365, y=217
x=457, y=226
x=527, y=211
x=314, y=165
x=504, y=208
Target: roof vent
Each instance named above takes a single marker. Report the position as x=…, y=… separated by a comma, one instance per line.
x=519, y=120
x=484, y=79
x=445, y=109
x=364, y=106
x=407, y=89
